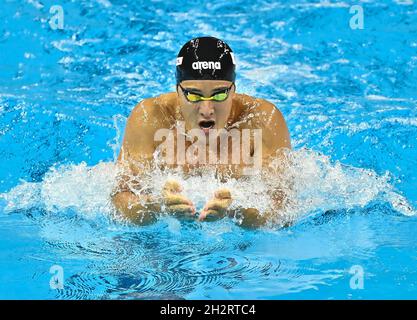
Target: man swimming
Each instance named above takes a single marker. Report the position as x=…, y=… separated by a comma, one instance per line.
x=206, y=107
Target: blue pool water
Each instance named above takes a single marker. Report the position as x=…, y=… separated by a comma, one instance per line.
x=348, y=95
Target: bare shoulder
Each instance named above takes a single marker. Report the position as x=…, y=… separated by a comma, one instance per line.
x=155, y=110
x=146, y=118
x=261, y=109
x=263, y=114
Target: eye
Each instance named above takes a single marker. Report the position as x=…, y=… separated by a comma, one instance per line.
x=220, y=96
x=192, y=96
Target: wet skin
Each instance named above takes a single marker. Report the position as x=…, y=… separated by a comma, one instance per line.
x=238, y=111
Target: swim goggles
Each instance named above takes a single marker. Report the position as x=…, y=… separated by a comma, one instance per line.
x=195, y=97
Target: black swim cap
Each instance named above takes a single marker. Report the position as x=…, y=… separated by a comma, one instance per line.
x=205, y=58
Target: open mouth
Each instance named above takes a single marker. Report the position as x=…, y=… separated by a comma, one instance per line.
x=206, y=124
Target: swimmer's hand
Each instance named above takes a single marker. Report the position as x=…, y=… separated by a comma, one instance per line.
x=175, y=203
x=217, y=207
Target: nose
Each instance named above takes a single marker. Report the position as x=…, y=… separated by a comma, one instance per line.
x=206, y=109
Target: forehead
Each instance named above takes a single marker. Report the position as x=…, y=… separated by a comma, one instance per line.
x=205, y=85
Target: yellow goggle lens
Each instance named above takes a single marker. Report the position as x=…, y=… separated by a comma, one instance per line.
x=217, y=97
x=220, y=96
x=193, y=97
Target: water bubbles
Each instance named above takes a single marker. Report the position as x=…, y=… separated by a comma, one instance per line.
x=310, y=182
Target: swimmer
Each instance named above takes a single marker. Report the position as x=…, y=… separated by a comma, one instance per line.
x=205, y=103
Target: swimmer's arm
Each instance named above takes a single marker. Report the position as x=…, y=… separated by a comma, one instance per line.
x=137, y=147
x=249, y=217
x=275, y=139
x=252, y=218
x=143, y=208
x=275, y=134
x=140, y=210
x=128, y=199
x=138, y=140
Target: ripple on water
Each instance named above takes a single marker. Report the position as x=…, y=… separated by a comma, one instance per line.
x=85, y=285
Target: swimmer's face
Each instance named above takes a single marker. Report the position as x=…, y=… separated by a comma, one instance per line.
x=205, y=114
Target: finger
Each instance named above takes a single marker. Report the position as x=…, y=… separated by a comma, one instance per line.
x=202, y=215
x=172, y=199
x=223, y=194
x=180, y=208
x=210, y=215
x=218, y=205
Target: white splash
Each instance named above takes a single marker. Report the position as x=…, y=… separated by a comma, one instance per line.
x=79, y=187
x=321, y=185
x=311, y=182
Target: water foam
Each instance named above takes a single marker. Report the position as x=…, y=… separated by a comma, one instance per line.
x=312, y=183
